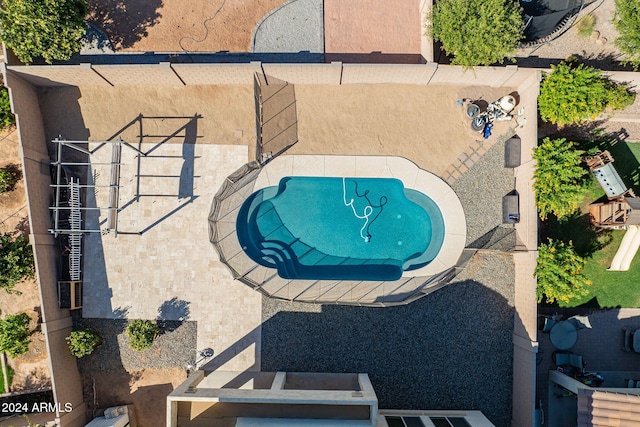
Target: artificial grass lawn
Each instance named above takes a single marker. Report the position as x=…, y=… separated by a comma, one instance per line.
x=610, y=288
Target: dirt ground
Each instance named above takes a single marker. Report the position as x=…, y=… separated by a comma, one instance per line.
x=180, y=25
x=32, y=368
x=421, y=123
x=146, y=390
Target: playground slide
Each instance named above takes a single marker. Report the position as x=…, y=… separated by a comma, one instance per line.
x=627, y=250
x=633, y=248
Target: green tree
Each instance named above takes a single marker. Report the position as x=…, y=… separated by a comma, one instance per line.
x=477, y=32
x=6, y=116
x=16, y=261
x=559, y=176
x=9, y=177
x=14, y=334
x=141, y=334
x=559, y=272
x=83, y=342
x=48, y=28
x=574, y=93
x=627, y=23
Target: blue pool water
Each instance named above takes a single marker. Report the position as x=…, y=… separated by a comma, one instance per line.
x=340, y=228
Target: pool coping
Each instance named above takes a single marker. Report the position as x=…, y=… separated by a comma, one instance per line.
x=383, y=167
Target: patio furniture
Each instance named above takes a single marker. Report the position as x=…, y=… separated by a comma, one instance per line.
x=568, y=361
x=631, y=340
x=580, y=322
x=549, y=323
x=563, y=335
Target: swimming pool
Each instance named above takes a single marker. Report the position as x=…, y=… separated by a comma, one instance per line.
x=340, y=228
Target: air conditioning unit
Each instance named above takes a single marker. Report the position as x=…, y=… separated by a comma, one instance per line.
x=70, y=294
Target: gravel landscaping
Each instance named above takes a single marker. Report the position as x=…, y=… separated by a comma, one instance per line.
x=451, y=349
x=481, y=189
x=295, y=26
x=171, y=349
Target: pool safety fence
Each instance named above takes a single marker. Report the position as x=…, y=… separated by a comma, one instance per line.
x=276, y=116
x=223, y=235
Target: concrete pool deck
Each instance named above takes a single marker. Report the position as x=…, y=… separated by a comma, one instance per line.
x=383, y=167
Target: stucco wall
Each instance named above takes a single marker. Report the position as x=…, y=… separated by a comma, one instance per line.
x=65, y=378
x=218, y=74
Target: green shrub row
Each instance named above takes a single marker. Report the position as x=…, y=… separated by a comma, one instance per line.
x=141, y=334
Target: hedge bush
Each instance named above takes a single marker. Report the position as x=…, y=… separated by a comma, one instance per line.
x=141, y=334
x=83, y=342
x=16, y=261
x=14, y=334
x=6, y=116
x=9, y=177
x=559, y=272
x=477, y=32
x=627, y=22
x=575, y=93
x=50, y=29
x=558, y=178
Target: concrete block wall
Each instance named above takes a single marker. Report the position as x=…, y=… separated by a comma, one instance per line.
x=388, y=73
x=139, y=74
x=217, y=74
x=229, y=74
x=631, y=78
x=320, y=74
x=65, y=377
x=525, y=343
x=58, y=75
x=480, y=76
x=426, y=44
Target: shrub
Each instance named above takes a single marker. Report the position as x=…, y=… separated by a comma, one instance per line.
x=585, y=25
x=51, y=29
x=572, y=94
x=619, y=96
x=627, y=23
x=16, y=261
x=14, y=334
x=477, y=32
x=83, y=342
x=6, y=116
x=9, y=177
x=141, y=334
x=559, y=176
x=559, y=272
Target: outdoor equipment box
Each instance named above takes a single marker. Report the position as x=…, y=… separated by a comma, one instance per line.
x=511, y=208
x=121, y=420
x=512, y=156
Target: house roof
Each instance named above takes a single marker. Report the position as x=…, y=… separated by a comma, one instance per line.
x=606, y=408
